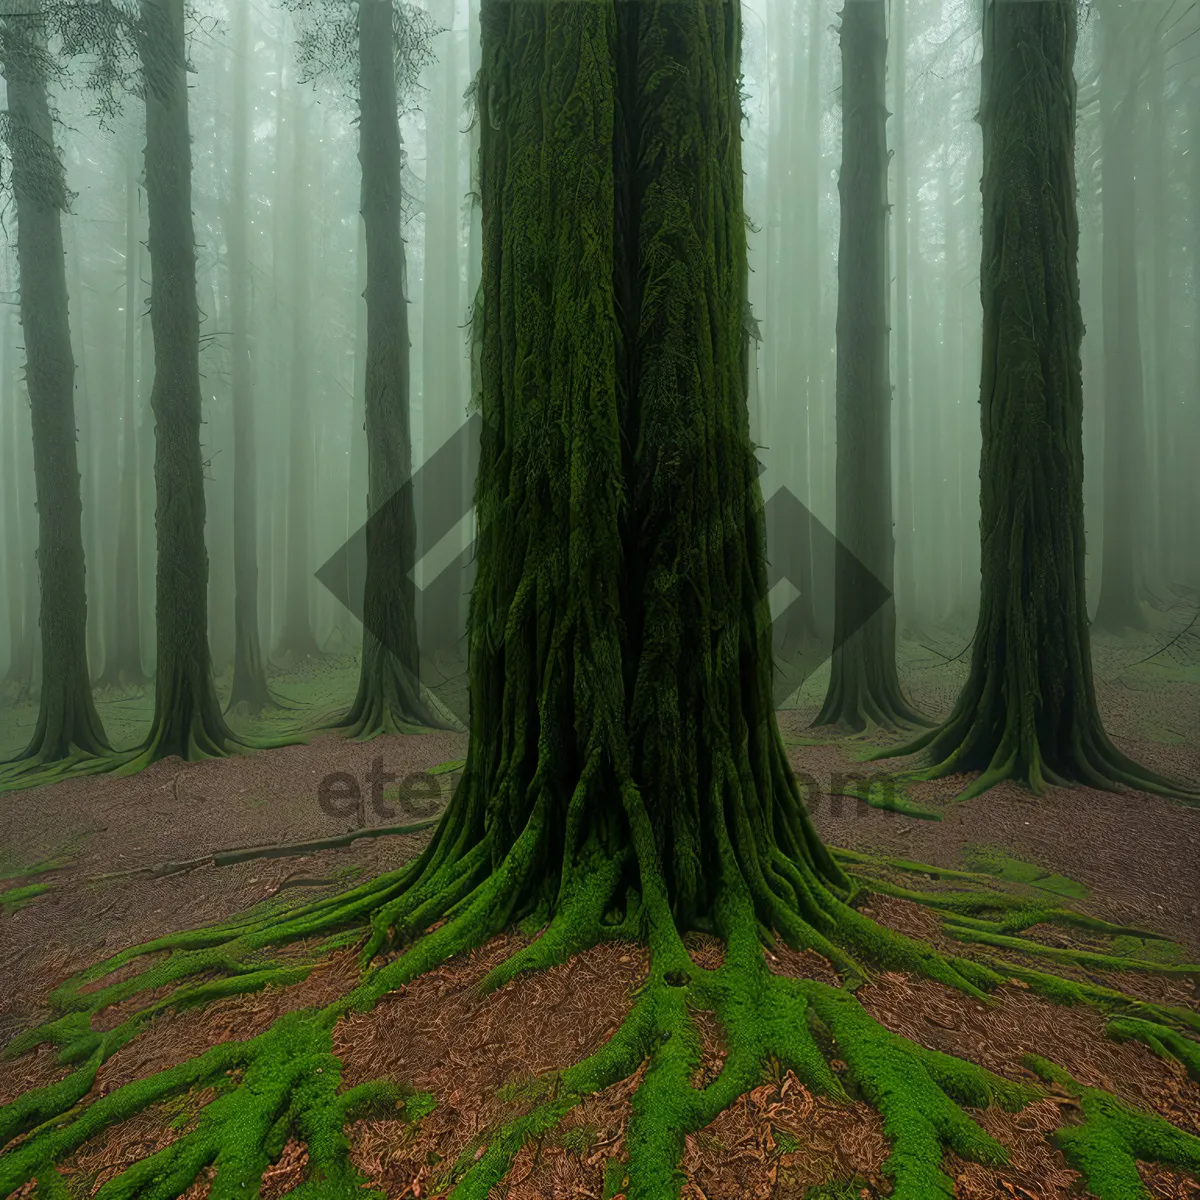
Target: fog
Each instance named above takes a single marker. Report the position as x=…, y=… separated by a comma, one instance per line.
x=280, y=273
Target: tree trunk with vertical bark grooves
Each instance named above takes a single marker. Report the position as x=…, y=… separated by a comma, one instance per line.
x=68, y=728
x=187, y=717
x=864, y=686
x=1028, y=710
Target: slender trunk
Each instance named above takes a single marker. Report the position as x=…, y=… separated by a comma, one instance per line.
x=297, y=639
x=1028, y=710
x=249, y=674
x=1165, y=499
x=1123, y=559
x=123, y=666
x=444, y=392
x=356, y=504
x=905, y=566
x=187, y=718
x=18, y=565
x=950, y=517
x=864, y=688
x=67, y=725
x=389, y=697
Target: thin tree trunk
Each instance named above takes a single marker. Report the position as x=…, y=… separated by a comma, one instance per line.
x=1123, y=559
x=1166, y=503
x=123, y=666
x=389, y=697
x=297, y=638
x=905, y=565
x=864, y=688
x=68, y=726
x=187, y=718
x=18, y=564
x=249, y=674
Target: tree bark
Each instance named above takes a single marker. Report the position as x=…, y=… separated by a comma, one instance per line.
x=187, y=718
x=68, y=726
x=864, y=688
x=1028, y=710
x=249, y=672
x=389, y=696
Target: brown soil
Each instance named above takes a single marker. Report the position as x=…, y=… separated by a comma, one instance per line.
x=1136, y=853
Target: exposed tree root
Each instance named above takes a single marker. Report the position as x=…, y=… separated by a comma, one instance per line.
x=981, y=735
x=283, y=1084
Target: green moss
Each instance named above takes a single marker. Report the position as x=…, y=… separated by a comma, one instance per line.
x=1113, y=1137
x=1165, y=1042
x=14, y=899
x=993, y=861
x=887, y=796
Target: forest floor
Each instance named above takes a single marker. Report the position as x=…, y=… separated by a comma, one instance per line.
x=93, y=865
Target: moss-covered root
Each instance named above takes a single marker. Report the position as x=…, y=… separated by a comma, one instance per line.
x=1165, y=1042
x=1113, y=1137
x=792, y=1024
x=288, y=1087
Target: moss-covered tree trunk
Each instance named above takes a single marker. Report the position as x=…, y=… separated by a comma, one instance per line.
x=624, y=753
x=68, y=726
x=864, y=687
x=389, y=698
x=1028, y=710
x=249, y=672
x=187, y=718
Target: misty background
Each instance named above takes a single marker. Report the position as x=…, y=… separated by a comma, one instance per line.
x=1138, y=171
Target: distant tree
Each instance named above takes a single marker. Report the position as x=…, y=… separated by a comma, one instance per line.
x=377, y=49
x=17, y=564
x=68, y=727
x=249, y=672
x=1028, y=709
x=297, y=638
x=864, y=687
x=123, y=663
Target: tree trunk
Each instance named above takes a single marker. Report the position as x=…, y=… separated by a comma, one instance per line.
x=1166, y=466
x=249, y=674
x=1028, y=710
x=905, y=564
x=123, y=666
x=864, y=688
x=389, y=698
x=1126, y=482
x=18, y=565
x=297, y=638
x=68, y=726
x=187, y=718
